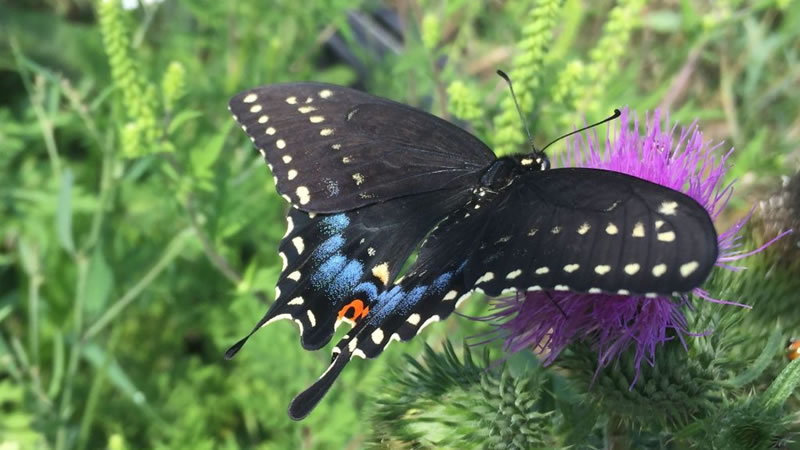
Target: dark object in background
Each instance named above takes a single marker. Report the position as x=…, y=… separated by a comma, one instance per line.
x=377, y=34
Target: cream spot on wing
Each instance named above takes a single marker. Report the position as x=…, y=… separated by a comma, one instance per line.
x=263, y=153
x=316, y=119
x=263, y=119
x=431, y=319
x=291, y=174
x=583, y=229
x=561, y=287
x=542, y=270
x=612, y=229
x=659, y=269
x=488, y=276
x=667, y=236
x=294, y=275
x=325, y=93
x=513, y=274
x=668, y=208
x=595, y=290
x=336, y=146
x=280, y=317
x=413, y=319
x=463, y=298
x=358, y=178
x=569, y=268
x=632, y=268
x=303, y=194
x=287, y=198
x=381, y=272
x=371, y=251
x=352, y=345
x=532, y=231
x=602, y=269
x=280, y=143
x=326, y=132
x=651, y=295
x=270, y=131
x=450, y=295
x=309, y=99
x=277, y=292
x=638, y=230
x=623, y=292
x=296, y=301
x=306, y=109
x=659, y=223
x=556, y=230
x=255, y=108
x=299, y=245
x=283, y=260
x=291, y=100
x=286, y=159
x=534, y=288
x=377, y=336
x=250, y=98
x=688, y=268
x=289, y=225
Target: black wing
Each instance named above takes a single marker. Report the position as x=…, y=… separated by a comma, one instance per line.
x=590, y=230
x=431, y=290
x=582, y=230
x=334, y=265
x=335, y=149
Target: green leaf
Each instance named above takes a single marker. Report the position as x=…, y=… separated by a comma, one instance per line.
x=202, y=158
x=64, y=212
x=663, y=21
x=101, y=360
x=761, y=363
x=99, y=281
x=181, y=118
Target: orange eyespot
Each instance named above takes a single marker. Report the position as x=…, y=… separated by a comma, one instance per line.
x=359, y=309
x=793, y=349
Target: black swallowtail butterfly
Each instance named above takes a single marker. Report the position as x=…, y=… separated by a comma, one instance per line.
x=369, y=179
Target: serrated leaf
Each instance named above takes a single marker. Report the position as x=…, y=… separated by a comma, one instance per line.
x=64, y=212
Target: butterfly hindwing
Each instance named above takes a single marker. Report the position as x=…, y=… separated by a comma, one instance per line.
x=334, y=265
x=335, y=149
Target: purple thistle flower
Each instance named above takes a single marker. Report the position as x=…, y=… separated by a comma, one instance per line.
x=613, y=323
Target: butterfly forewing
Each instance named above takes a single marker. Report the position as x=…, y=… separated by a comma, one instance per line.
x=589, y=230
x=334, y=149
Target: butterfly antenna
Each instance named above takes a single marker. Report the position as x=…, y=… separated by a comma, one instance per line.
x=607, y=119
x=519, y=110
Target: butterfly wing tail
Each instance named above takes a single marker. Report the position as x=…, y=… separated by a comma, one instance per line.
x=307, y=400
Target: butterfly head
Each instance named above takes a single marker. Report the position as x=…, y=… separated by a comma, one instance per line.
x=537, y=161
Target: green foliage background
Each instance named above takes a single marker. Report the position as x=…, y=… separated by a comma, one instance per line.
x=138, y=228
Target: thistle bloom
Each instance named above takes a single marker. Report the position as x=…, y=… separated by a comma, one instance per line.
x=613, y=323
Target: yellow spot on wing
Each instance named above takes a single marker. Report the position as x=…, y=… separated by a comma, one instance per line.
x=381, y=272
x=250, y=98
x=668, y=208
x=612, y=229
x=688, y=268
x=325, y=93
x=602, y=269
x=632, y=268
x=659, y=269
x=638, y=230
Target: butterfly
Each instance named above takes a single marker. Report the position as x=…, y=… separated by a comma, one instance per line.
x=371, y=181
